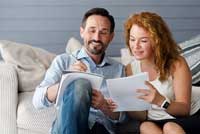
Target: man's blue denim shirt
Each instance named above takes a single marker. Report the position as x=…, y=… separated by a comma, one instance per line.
x=109, y=68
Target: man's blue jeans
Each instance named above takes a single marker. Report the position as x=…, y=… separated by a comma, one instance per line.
x=73, y=112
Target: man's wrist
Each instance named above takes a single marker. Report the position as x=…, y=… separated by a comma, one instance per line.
x=46, y=95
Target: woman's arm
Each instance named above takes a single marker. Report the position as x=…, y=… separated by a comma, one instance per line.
x=182, y=83
x=181, y=77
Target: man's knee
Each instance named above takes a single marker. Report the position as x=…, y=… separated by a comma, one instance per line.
x=78, y=89
x=82, y=87
x=82, y=94
x=82, y=91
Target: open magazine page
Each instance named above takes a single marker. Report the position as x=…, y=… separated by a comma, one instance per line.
x=69, y=76
x=123, y=92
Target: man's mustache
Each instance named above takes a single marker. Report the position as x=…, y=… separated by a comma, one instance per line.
x=96, y=41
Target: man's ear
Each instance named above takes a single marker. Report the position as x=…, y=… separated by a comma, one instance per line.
x=112, y=36
x=81, y=31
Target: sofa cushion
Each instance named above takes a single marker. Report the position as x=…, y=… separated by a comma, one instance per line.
x=72, y=45
x=23, y=131
x=195, y=99
x=1, y=57
x=126, y=57
x=31, y=62
x=29, y=118
x=191, y=52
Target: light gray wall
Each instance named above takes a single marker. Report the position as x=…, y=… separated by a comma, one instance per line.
x=50, y=23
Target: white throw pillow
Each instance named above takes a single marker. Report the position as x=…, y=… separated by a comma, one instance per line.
x=72, y=45
x=31, y=62
x=126, y=57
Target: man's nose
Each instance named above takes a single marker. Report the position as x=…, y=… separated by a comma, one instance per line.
x=97, y=35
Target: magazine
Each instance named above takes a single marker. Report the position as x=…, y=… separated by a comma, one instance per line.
x=69, y=76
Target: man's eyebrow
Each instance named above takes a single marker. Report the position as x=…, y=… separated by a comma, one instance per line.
x=92, y=27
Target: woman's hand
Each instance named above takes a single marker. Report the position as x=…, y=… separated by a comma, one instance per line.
x=152, y=95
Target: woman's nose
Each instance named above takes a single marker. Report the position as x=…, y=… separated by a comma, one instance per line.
x=136, y=44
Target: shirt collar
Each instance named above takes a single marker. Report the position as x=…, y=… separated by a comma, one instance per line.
x=80, y=54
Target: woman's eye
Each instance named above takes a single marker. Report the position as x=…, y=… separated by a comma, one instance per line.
x=144, y=41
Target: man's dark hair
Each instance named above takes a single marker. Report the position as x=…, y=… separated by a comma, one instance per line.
x=102, y=12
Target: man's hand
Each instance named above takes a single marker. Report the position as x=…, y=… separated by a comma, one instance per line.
x=111, y=104
x=78, y=66
x=98, y=100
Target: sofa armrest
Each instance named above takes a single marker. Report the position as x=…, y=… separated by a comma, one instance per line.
x=8, y=98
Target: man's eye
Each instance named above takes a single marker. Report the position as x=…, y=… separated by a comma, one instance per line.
x=91, y=31
x=104, y=32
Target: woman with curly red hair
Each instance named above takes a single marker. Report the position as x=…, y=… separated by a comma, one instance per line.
x=173, y=110
x=151, y=43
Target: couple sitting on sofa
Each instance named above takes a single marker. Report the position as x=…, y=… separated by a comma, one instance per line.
x=85, y=110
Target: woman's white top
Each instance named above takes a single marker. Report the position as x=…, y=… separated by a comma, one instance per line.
x=166, y=89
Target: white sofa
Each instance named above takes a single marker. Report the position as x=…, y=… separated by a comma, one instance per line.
x=21, y=71
x=17, y=114
x=18, y=78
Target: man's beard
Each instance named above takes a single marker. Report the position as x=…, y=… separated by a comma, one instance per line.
x=94, y=50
